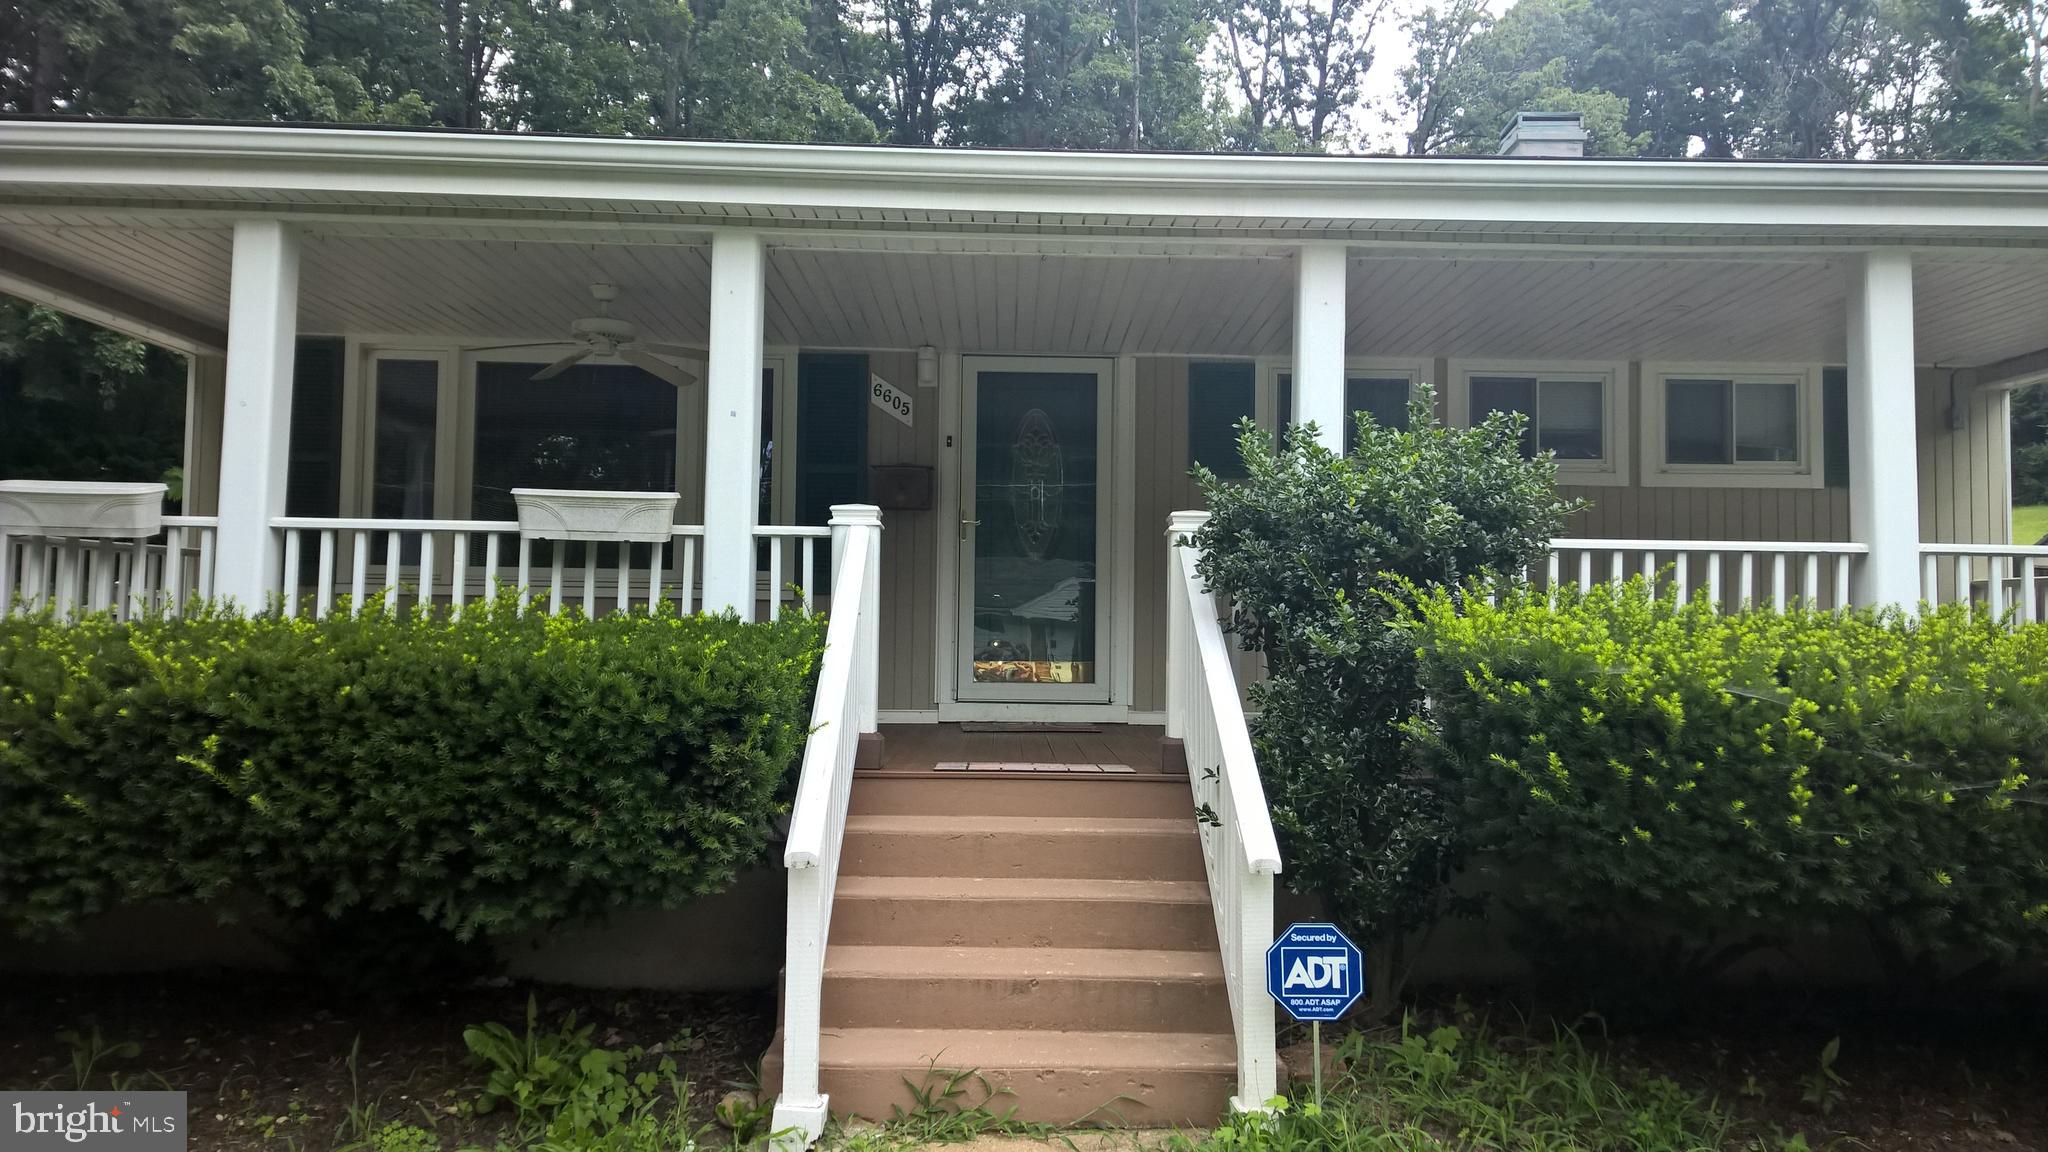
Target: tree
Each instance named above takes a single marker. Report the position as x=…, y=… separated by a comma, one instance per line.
x=1319, y=554
x=78, y=402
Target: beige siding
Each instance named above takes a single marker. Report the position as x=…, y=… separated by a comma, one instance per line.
x=1963, y=472
x=205, y=406
x=910, y=542
x=1161, y=442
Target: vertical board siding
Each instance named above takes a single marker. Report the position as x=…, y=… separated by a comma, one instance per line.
x=1164, y=487
x=1964, y=476
x=910, y=543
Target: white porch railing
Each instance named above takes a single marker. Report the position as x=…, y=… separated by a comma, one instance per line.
x=1999, y=578
x=451, y=562
x=843, y=709
x=128, y=577
x=1204, y=712
x=1737, y=574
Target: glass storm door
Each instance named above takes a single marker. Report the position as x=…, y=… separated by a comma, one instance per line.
x=1034, y=602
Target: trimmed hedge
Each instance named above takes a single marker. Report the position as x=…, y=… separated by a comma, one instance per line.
x=1638, y=763
x=488, y=774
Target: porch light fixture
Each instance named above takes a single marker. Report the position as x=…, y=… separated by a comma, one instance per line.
x=927, y=367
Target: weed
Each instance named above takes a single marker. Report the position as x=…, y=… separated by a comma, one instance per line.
x=89, y=1049
x=1822, y=1087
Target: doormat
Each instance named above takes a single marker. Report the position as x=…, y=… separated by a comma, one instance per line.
x=1001, y=726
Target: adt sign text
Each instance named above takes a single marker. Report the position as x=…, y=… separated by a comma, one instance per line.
x=1315, y=972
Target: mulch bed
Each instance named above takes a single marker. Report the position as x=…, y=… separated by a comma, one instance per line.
x=266, y=1061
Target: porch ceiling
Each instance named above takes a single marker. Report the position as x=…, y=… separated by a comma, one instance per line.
x=1972, y=307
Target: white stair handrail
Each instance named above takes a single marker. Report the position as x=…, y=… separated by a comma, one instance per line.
x=842, y=711
x=1239, y=850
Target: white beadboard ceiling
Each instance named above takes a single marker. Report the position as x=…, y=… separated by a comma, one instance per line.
x=1971, y=308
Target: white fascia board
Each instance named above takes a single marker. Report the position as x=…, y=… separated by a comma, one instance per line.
x=883, y=185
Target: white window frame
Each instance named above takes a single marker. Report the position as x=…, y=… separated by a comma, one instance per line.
x=447, y=405
x=1806, y=472
x=1616, y=434
x=1271, y=368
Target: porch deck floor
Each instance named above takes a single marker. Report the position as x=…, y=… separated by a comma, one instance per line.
x=914, y=747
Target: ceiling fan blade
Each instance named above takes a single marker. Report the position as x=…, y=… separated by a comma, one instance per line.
x=654, y=365
x=509, y=347
x=683, y=350
x=562, y=365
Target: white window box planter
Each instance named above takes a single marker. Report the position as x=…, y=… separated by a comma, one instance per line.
x=562, y=514
x=75, y=508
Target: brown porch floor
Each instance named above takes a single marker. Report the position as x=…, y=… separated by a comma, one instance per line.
x=911, y=747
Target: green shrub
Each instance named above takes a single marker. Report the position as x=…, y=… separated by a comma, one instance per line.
x=1318, y=552
x=1643, y=764
x=488, y=774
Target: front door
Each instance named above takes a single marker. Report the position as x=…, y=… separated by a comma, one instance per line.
x=1034, y=620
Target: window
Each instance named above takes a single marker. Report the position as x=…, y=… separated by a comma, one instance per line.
x=1379, y=389
x=408, y=395
x=598, y=427
x=1220, y=393
x=1577, y=412
x=1732, y=426
x=832, y=440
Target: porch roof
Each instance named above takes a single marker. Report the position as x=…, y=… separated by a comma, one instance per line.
x=477, y=238
x=206, y=167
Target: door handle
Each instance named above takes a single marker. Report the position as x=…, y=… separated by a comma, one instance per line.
x=965, y=524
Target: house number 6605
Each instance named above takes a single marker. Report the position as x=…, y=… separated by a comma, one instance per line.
x=885, y=396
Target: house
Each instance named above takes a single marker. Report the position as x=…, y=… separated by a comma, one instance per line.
x=1780, y=381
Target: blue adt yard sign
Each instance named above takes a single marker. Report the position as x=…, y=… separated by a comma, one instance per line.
x=1315, y=972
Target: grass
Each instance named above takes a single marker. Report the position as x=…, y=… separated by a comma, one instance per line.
x=1462, y=1088
x=2029, y=523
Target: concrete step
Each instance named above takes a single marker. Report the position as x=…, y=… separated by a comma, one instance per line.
x=1095, y=989
x=1126, y=1079
x=992, y=794
x=1023, y=912
x=1052, y=847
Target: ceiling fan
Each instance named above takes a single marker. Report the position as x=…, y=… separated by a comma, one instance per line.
x=607, y=335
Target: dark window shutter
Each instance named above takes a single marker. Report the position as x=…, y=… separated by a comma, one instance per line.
x=313, y=469
x=1834, y=426
x=1220, y=393
x=831, y=438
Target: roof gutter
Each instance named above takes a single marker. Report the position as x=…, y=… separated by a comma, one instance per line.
x=157, y=160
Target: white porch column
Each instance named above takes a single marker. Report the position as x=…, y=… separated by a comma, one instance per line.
x=1319, y=341
x=732, y=421
x=1884, y=480
x=256, y=425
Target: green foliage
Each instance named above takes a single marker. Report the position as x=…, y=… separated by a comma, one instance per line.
x=568, y=1094
x=1645, y=767
x=485, y=774
x=78, y=402
x=1318, y=553
x=90, y=1049
x=1447, y=1089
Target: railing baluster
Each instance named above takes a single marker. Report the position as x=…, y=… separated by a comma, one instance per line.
x=810, y=569
x=1747, y=597
x=1550, y=566
x=558, y=548
x=458, y=588
x=1930, y=579
x=290, y=589
x=491, y=558
x=1842, y=562
x=8, y=548
x=1713, y=584
x=359, y=572
x=323, y=595
x=1616, y=565
x=525, y=572
x=774, y=576
x=1650, y=572
x=1585, y=570
x=590, y=580
x=654, y=578
x=2026, y=589
x=394, y=557
x=423, y=597
x=622, y=600
x=1777, y=582
x=100, y=586
x=136, y=602
x=174, y=570
x=1994, y=588
x=1680, y=578
x=1812, y=589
